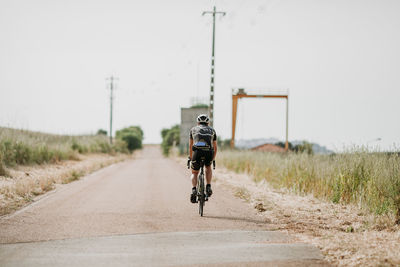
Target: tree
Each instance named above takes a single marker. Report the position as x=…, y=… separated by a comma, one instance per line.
x=223, y=143
x=132, y=136
x=199, y=106
x=164, y=132
x=305, y=147
x=282, y=144
x=101, y=132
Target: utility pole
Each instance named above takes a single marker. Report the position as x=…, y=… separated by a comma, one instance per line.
x=111, y=79
x=211, y=108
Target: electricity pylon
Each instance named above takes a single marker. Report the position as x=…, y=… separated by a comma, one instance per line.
x=111, y=79
x=211, y=108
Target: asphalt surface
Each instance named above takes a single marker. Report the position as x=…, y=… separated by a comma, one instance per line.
x=138, y=213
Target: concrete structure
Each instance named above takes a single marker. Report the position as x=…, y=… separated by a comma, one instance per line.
x=269, y=148
x=188, y=120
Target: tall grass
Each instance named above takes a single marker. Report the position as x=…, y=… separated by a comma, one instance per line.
x=20, y=147
x=370, y=180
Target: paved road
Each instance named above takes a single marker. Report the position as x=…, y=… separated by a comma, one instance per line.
x=138, y=213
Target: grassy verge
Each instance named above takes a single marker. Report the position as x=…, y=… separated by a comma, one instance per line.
x=369, y=180
x=19, y=147
x=31, y=163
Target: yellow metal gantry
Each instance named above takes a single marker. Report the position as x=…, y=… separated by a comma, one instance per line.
x=242, y=94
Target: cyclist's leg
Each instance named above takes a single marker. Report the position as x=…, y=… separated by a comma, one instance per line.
x=208, y=172
x=208, y=161
x=195, y=165
x=208, y=179
x=193, y=194
x=195, y=172
x=194, y=176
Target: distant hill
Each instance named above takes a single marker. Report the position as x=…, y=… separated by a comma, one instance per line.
x=252, y=143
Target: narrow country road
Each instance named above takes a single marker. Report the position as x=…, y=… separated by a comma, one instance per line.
x=137, y=213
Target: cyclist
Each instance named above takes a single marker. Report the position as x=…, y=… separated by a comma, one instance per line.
x=202, y=143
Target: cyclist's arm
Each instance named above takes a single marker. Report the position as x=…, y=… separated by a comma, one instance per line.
x=190, y=147
x=215, y=149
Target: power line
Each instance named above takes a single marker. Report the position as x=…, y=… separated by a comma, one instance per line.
x=211, y=108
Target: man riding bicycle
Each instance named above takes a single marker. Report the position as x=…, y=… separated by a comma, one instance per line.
x=202, y=145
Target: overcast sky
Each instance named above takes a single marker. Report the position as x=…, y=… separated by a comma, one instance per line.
x=340, y=61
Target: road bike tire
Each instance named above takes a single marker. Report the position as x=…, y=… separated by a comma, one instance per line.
x=201, y=204
x=201, y=194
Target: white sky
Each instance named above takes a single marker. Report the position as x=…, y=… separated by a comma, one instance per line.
x=340, y=59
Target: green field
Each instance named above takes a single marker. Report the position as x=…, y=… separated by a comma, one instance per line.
x=369, y=180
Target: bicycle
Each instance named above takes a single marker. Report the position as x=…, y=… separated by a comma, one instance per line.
x=201, y=195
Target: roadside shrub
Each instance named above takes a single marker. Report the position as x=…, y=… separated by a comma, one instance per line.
x=104, y=147
x=132, y=136
x=121, y=146
x=42, y=154
x=7, y=150
x=170, y=138
x=82, y=149
x=101, y=132
x=3, y=171
x=22, y=153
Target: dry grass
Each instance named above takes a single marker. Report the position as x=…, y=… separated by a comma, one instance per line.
x=3, y=171
x=20, y=147
x=243, y=193
x=369, y=180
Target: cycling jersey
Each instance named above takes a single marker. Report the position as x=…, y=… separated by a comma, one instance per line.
x=203, y=137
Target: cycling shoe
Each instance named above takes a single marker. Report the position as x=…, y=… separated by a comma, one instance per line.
x=193, y=196
x=209, y=190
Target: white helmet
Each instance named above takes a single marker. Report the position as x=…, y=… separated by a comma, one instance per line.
x=203, y=118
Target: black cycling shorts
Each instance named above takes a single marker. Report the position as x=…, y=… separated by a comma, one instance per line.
x=198, y=155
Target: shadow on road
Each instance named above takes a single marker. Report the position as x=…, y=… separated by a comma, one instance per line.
x=239, y=219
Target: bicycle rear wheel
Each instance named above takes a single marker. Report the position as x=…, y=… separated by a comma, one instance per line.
x=201, y=205
x=201, y=194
